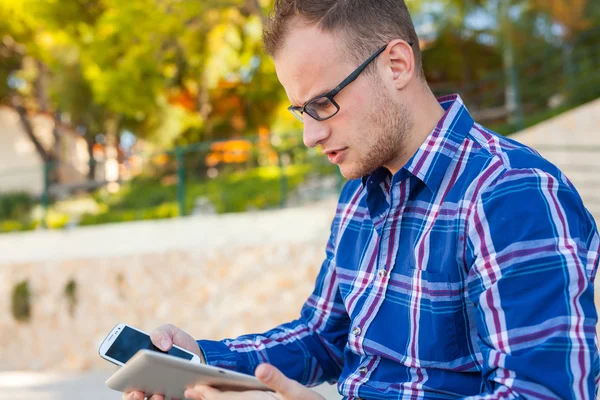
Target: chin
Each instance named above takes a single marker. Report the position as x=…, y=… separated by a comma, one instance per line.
x=350, y=173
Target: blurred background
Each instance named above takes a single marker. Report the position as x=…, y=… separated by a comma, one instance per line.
x=150, y=171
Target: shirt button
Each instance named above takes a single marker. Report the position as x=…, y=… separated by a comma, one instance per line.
x=363, y=370
x=382, y=273
x=356, y=331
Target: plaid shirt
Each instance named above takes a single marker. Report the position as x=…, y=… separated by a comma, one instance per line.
x=467, y=273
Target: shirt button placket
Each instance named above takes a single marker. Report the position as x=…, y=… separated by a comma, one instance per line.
x=356, y=331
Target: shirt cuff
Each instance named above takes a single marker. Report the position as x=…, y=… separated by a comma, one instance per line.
x=218, y=354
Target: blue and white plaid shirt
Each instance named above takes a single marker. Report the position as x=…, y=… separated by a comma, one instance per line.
x=467, y=273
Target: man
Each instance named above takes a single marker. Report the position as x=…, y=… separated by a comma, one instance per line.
x=460, y=262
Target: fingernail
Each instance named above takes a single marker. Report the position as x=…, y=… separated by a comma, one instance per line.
x=136, y=397
x=164, y=345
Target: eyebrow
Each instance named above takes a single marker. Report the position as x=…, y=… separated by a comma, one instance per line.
x=312, y=97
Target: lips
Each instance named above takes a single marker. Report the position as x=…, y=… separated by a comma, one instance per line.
x=336, y=156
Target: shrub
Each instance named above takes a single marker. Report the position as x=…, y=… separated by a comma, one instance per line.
x=15, y=206
x=166, y=210
x=12, y=225
x=56, y=220
x=21, y=306
x=71, y=295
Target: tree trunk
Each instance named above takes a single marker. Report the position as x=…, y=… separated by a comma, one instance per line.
x=28, y=128
x=511, y=86
x=41, y=86
x=569, y=68
x=56, y=149
x=91, y=175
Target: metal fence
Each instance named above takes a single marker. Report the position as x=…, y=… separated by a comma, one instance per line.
x=245, y=174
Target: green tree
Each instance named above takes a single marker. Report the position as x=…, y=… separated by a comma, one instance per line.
x=158, y=68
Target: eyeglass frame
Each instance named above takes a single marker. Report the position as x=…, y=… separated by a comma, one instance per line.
x=298, y=111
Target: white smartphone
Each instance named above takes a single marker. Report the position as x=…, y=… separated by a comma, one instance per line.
x=124, y=341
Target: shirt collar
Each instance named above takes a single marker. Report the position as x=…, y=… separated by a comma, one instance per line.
x=431, y=160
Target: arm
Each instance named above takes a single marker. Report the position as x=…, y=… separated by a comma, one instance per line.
x=308, y=350
x=533, y=251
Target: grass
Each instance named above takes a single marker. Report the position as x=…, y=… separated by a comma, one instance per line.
x=146, y=198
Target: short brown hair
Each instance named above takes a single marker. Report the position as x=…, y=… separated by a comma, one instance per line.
x=367, y=25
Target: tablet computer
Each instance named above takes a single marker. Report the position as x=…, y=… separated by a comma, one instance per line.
x=157, y=373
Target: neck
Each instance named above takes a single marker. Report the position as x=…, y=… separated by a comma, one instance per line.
x=426, y=112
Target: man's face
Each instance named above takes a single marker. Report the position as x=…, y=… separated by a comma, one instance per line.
x=371, y=125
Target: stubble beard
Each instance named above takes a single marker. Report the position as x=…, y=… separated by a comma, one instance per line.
x=385, y=131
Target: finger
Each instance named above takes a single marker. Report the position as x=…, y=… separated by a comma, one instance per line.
x=191, y=394
x=276, y=380
x=162, y=337
x=133, y=396
x=157, y=397
x=206, y=392
x=202, y=392
x=209, y=393
x=199, y=393
x=166, y=335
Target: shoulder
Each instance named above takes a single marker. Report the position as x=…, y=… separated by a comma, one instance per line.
x=497, y=159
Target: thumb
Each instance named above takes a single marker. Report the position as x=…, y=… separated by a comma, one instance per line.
x=165, y=344
x=161, y=339
x=277, y=381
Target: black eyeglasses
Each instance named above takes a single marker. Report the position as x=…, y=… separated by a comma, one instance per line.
x=323, y=106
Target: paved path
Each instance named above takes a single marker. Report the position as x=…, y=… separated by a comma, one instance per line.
x=88, y=386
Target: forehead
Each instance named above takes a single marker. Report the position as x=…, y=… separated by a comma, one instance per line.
x=310, y=62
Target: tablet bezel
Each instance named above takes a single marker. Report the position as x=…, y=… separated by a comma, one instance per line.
x=156, y=373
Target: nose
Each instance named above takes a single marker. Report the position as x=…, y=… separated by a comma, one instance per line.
x=315, y=131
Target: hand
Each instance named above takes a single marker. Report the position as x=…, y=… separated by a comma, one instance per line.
x=285, y=389
x=164, y=337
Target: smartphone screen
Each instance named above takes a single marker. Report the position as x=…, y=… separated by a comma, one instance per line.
x=131, y=341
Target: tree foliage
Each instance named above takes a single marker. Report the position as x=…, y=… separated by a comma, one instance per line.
x=175, y=71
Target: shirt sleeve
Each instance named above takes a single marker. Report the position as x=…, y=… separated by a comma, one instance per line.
x=309, y=349
x=533, y=253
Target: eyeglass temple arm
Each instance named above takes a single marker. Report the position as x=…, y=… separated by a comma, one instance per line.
x=352, y=77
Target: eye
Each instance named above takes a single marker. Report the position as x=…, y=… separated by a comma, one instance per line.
x=321, y=104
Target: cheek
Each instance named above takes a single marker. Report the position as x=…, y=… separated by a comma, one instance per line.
x=360, y=101
x=351, y=126
x=353, y=114
x=356, y=98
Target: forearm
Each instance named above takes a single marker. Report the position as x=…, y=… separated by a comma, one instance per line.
x=295, y=348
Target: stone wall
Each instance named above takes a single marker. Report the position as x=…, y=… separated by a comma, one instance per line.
x=214, y=276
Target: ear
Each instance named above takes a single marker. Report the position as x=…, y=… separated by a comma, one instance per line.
x=399, y=63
